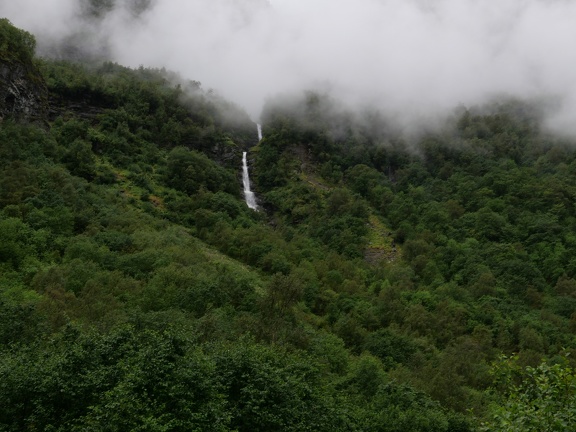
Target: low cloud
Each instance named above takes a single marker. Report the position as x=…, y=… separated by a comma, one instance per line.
x=415, y=58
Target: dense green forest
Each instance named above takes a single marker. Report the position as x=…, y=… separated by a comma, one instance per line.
x=388, y=283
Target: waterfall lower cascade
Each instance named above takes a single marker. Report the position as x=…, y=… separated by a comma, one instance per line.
x=248, y=194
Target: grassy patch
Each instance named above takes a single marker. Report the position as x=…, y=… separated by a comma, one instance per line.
x=381, y=245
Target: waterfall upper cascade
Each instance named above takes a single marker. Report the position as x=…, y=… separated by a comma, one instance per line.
x=259, y=127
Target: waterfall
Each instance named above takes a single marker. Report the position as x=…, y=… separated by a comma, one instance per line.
x=248, y=194
x=259, y=127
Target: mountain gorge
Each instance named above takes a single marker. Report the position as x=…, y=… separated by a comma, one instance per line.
x=389, y=281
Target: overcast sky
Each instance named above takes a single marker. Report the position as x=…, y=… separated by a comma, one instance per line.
x=419, y=57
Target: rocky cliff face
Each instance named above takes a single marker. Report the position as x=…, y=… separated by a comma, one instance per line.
x=23, y=93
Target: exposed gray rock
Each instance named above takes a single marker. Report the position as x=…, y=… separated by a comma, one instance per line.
x=23, y=93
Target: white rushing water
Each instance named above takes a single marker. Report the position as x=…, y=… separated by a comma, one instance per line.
x=248, y=194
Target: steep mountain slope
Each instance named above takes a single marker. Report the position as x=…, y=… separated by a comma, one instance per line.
x=372, y=292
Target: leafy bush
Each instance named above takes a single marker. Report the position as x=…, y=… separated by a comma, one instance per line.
x=15, y=44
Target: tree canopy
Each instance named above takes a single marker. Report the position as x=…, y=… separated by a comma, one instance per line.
x=15, y=44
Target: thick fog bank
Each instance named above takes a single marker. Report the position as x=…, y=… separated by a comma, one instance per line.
x=417, y=59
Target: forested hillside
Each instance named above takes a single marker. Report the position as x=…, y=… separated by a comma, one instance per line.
x=387, y=283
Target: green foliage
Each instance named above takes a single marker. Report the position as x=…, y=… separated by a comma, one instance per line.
x=189, y=171
x=20, y=142
x=124, y=380
x=15, y=44
x=534, y=398
x=199, y=288
x=270, y=390
x=390, y=347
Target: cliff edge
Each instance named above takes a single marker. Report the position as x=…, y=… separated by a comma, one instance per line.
x=23, y=92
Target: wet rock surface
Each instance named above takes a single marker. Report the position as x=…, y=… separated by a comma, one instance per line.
x=23, y=93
